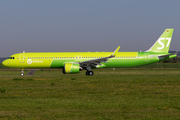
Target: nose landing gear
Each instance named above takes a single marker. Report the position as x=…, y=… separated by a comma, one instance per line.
x=22, y=72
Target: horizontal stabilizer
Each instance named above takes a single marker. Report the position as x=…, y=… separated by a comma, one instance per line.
x=164, y=56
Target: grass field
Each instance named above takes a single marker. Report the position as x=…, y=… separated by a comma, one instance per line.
x=138, y=93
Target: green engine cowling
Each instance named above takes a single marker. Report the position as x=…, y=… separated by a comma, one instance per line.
x=71, y=68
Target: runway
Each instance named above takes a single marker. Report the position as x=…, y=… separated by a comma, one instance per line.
x=31, y=72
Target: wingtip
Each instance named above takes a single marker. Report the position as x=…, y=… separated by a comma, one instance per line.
x=116, y=51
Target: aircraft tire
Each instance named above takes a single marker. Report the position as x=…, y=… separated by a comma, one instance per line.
x=91, y=73
x=87, y=73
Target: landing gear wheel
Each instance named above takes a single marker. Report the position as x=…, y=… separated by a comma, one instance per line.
x=89, y=73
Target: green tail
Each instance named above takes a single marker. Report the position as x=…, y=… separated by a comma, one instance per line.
x=163, y=43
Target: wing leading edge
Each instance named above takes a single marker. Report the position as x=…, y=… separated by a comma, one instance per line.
x=95, y=62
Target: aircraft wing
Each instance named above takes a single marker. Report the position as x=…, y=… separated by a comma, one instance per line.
x=96, y=62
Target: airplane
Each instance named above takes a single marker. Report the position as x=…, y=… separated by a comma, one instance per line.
x=74, y=62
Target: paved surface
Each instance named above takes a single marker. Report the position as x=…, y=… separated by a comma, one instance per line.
x=31, y=72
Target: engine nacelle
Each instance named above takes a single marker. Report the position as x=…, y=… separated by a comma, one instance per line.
x=71, y=68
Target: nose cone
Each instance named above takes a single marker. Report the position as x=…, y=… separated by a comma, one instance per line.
x=5, y=63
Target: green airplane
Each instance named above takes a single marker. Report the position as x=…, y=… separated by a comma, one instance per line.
x=74, y=62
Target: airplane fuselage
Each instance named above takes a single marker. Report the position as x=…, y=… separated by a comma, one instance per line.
x=58, y=59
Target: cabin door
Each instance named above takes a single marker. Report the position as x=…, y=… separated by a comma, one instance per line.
x=78, y=58
x=21, y=58
x=147, y=58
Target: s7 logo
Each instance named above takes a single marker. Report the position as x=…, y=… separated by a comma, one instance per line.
x=162, y=44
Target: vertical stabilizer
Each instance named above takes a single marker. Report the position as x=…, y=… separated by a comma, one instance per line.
x=163, y=43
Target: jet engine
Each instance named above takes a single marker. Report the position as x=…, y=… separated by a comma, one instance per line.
x=71, y=68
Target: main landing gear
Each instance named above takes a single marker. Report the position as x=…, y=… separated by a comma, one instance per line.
x=22, y=72
x=89, y=72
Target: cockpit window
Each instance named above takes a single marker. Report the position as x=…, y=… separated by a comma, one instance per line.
x=11, y=58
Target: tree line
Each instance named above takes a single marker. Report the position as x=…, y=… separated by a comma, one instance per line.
x=173, y=60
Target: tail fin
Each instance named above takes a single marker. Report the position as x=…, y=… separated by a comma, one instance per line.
x=163, y=43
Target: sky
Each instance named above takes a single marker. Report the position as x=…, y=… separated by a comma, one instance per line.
x=85, y=25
